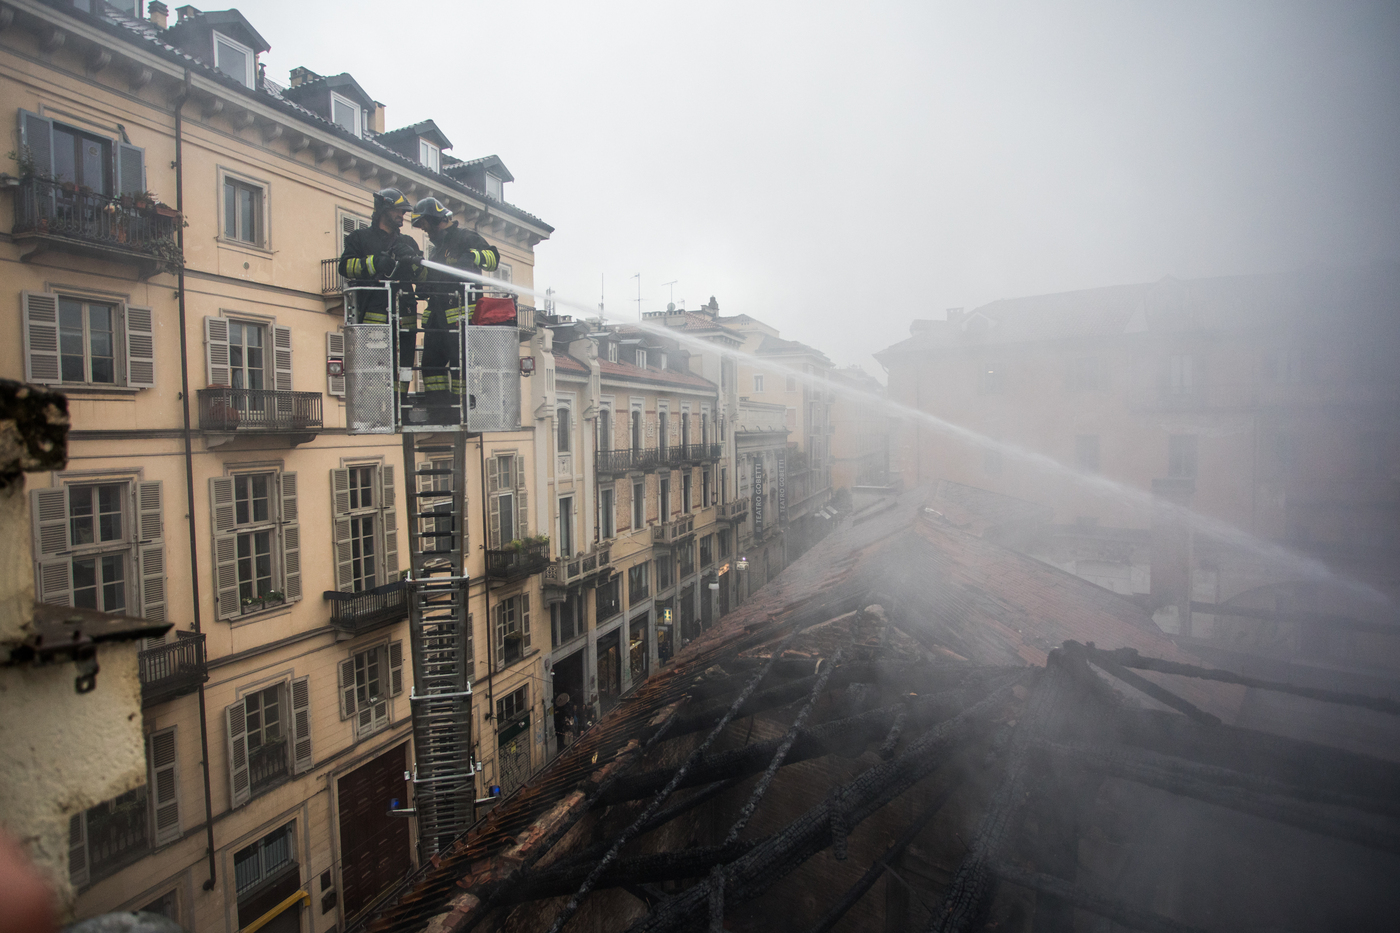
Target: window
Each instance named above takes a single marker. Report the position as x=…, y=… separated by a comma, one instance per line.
x=636, y=430
x=507, y=505
x=512, y=629
x=723, y=544
x=494, y=187
x=566, y=526
x=665, y=573
x=247, y=362
x=82, y=159
x=1179, y=374
x=567, y=621
x=686, y=553
x=607, y=513
x=512, y=706
x=75, y=341
x=345, y=114
x=662, y=362
x=638, y=584
x=243, y=211
x=1181, y=455
x=78, y=157
x=707, y=550
x=1086, y=452
x=269, y=738
x=106, y=838
x=758, y=383
x=234, y=59
x=641, y=358
x=365, y=527
x=368, y=678
x=562, y=419
x=270, y=857
x=664, y=497
x=639, y=505
x=257, y=541
x=608, y=599
x=685, y=490
x=612, y=353
x=791, y=385
x=663, y=432
x=429, y=155
x=705, y=488
x=98, y=546
x=605, y=429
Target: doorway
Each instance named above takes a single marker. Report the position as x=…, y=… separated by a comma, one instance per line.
x=609, y=669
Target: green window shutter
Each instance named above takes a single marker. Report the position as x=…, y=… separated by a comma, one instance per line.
x=150, y=549
x=347, y=688
x=41, y=338
x=290, y=537
x=162, y=757
x=216, y=360
x=301, y=725
x=340, y=525
x=395, y=668
x=225, y=546
x=140, y=348
x=389, y=525
x=239, y=786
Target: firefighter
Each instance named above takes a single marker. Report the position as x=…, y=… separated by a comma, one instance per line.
x=449, y=303
x=382, y=253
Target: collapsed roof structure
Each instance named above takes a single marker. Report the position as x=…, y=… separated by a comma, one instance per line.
x=994, y=743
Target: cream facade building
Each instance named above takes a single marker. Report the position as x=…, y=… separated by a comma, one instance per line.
x=212, y=483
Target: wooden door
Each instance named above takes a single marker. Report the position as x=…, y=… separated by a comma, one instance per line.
x=374, y=847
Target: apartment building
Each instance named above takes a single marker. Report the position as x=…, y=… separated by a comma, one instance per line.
x=212, y=482
x=1270, y=402
x=860, y=431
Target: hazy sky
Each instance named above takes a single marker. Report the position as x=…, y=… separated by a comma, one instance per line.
x=837, y=169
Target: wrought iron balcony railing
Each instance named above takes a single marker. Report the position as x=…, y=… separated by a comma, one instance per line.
x=331, y=281
x=172, y=670
x=510, y=564
x=672, y=532
x=732, y=511
x=267, y=765
x=366, y=611
x=74, y=219
x=263, y=410
x=629, y=458
x=701, y=452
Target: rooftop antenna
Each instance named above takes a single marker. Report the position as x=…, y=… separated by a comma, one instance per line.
x=602, y=297
x=671, y=285
x=549, y=301
x=638, y=277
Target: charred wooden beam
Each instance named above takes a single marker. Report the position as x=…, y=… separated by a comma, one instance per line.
x=752, y=874
x=1105, y=662
x=867, y=881
x=1112, y=908
x=1129, y=657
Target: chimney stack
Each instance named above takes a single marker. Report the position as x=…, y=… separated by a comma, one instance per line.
x=1171, y=554
x=302, y=75
x=186, y=12
x=376, y=120
x=158, y=13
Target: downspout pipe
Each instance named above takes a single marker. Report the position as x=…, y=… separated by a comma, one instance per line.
x=187, y=435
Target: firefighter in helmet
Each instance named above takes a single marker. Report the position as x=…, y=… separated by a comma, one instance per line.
x=382, y=253
x=449, y=303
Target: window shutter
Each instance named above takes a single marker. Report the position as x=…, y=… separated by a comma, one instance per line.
x=216, y=364
x=41, y=338
x=347, y=688
x=151, y=550
x=522, y=512
x=77, y=849
x=140, y=348
x=50, y=520
x=131, y=168
x=390, y=523
x=500, y=635
x=239, y=788
x=493, y=483
x=165, y=785
x=340, y=523
x=282, y=356
x=291, y=537
x=525, y=622
x=36, y=133
x=301, y=725
x=225, y=546
x=335, y=350
x=395, y=668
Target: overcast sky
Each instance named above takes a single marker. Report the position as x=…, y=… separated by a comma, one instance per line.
x=837, y=169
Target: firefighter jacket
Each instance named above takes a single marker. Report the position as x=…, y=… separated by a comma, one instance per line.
x=373, y=255
x=465, y=249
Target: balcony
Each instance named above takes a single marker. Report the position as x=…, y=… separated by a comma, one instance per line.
x=735, y=511
x=267, y=765
x=59, y=217
x=670, y=533
x=259, y=411
x=357, y=613
x=331, y=282
x=628, y=459
x=567, y=571
x=509, y=564
x=172, y=670
x=701, y=453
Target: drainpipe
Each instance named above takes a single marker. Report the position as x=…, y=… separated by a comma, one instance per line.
x=486, y=595
x=189, y=469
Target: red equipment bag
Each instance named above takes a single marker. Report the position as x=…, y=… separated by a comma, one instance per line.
x=494, y=311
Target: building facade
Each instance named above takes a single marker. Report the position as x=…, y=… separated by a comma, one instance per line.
x=212, y=482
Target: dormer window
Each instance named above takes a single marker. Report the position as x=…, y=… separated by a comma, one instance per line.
x=641, y=359
x=234, y=59
x=429, y=155
x=612, y=353
x=493, y=187
x=661, y=364
x=345, y=113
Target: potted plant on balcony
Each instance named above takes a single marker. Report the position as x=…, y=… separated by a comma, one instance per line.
x=222, y=411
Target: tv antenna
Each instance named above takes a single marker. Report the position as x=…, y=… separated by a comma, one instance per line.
x=671, y=285
x=638, y=277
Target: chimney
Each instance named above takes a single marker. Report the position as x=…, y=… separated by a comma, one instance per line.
x=1171, y=554
x=954, y=315
x=302, y=75
x=159, y=14
x=187, y=12
x=376, y=120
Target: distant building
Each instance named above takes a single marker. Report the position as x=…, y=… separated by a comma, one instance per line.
x=860, y=431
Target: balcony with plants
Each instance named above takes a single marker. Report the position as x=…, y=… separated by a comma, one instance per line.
x=58, y=216
x=519, y=559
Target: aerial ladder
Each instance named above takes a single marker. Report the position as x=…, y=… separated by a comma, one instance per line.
x=435, y=443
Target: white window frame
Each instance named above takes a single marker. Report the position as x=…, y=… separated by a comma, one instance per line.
x=264, y=220
x=429, y=155
x=495, y=187
x=249, y=55
x=358, y=110
x=371, y=713
x=758, y=382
